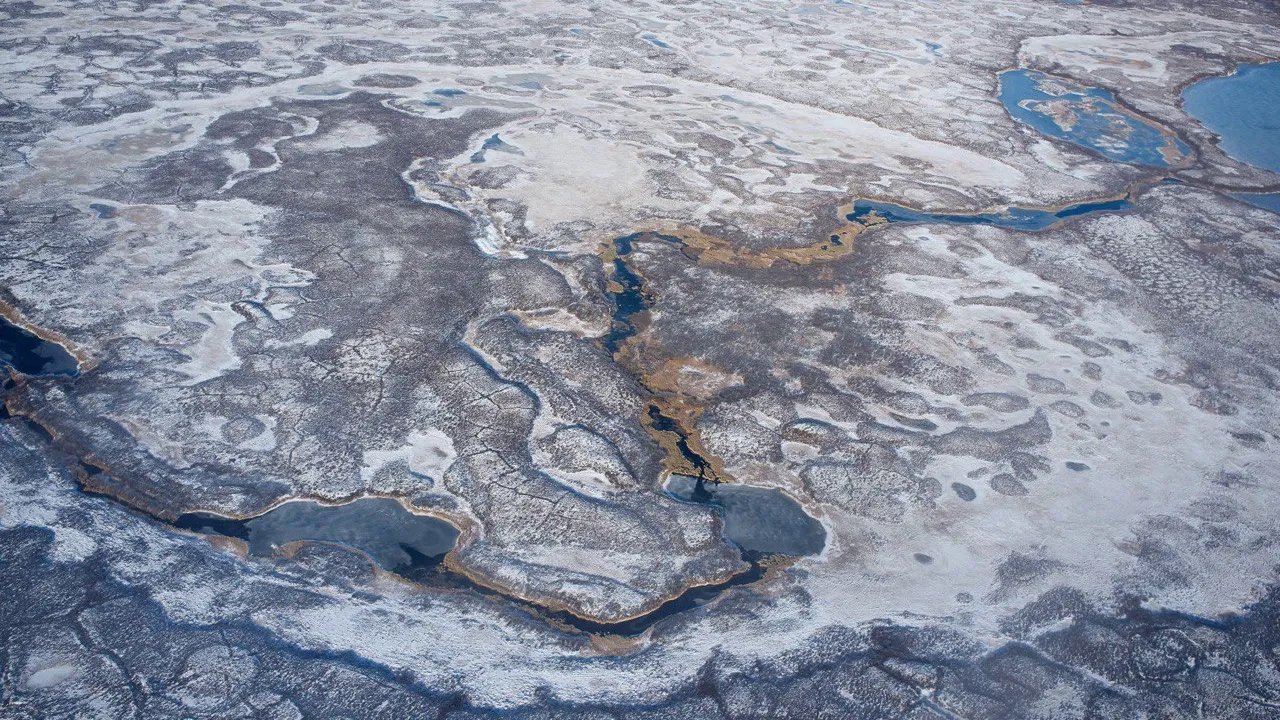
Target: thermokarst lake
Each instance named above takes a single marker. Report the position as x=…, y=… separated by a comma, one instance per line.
x=1089, y=117
x=29, y=354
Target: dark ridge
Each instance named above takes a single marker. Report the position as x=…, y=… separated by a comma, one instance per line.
x=90, y=470
x=690, y=599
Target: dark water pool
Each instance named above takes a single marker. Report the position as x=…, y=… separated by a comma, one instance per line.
x=396, y=539
x=29, y=354
x=757, y=520
x=104, y=211
x=1243, y=109
x=629, y=299
x=1089, y=117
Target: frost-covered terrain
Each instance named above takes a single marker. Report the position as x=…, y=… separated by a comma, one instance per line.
x=537, y=269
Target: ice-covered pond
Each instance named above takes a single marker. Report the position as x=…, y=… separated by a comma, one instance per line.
x=396, y=539
x=756, y=519
x=30, y=354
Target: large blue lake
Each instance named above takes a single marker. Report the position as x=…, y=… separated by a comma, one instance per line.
x=1089, y=117
x=1243, y=109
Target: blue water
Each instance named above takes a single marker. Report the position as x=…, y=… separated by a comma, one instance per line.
x=1243, y=109
x=29, y=354
x=104, y=211
x=1014, y=218
x=1266, y=201
x=448, y=92
x=631, y=300
x=1088, y=117
x=493, y=142
x=655, y=41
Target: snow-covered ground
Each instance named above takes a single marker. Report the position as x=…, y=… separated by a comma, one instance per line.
x=365, y=249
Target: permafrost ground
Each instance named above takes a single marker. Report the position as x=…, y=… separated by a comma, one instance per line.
x=531, y=268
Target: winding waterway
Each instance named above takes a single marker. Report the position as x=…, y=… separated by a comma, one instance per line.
x=1012, y=218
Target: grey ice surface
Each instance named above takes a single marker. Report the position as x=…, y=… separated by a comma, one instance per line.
x=756, y=519
x=379, y=527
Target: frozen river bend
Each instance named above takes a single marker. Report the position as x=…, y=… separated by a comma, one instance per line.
x=843, y=359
